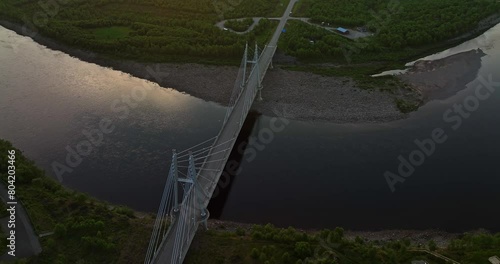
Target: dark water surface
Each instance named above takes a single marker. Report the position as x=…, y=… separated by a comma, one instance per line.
x=310, y=174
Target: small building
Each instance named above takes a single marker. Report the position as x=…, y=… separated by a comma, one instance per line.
x=342, y=31
x=494, y=260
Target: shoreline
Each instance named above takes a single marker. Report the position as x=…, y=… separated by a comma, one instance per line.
x=329, y=99
x=441, y=237
x=483, y=26
x=442, y=78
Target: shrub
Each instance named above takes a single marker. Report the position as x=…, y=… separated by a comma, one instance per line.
x=240, y=231
x=286, y=258
x=255, y=253
x=302, y=249
x=125, y=211
x=257, y=235
x=60, y=230
x=262, y=257
x=432, y=245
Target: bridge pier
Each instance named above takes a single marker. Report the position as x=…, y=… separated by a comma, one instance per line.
x=205, y=214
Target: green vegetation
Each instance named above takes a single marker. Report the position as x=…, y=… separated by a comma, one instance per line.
x=310, y=43
x=3, y=209
x=341, y=12
x=185, y=31
x=3, y=235
x=254, y=8
x=474, y=248
x=405, y=106
x=403, y=28
x=108, y=33
x=239, y=25
x=268, y=244
x=156, y=31
x=406, y=98
x=85, y=230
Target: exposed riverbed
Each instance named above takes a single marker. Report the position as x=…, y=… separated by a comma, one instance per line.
x=308, y=96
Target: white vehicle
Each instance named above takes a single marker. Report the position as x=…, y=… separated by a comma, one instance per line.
x=225, y=29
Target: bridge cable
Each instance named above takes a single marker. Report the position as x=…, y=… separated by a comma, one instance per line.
x=197, y=145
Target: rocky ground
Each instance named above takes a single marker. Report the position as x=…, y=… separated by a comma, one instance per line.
x=440, y=79
x=306, y=96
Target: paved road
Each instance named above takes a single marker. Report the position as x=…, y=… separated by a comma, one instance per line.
x=354, y=34
x=27, y=243
x=255, y=22
x=212, y=167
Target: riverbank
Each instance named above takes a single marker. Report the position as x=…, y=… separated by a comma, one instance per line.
x=77, y=226
x=298, y=95
x=243, y=243
x=306, y=96
x=442, y=78
x=71, y=226
x=416, y=237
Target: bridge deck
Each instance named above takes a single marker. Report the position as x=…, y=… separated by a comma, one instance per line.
x=212, y=168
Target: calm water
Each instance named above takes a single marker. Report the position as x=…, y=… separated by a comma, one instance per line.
x=309, y=175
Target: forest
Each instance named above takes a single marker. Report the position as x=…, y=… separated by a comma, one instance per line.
x=401, y=28
x=85, y=230
x=166, y=31
x=239, y=25
x=185, y=31
x=269, y=244
x=308, y=42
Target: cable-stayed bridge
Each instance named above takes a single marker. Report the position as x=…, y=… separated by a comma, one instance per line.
x=195, y=172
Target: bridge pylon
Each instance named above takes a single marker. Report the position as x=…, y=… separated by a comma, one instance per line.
x=188, y=211
x=245, y=61
x=256, y=67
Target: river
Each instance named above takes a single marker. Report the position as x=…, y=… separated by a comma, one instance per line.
x=308, y=174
